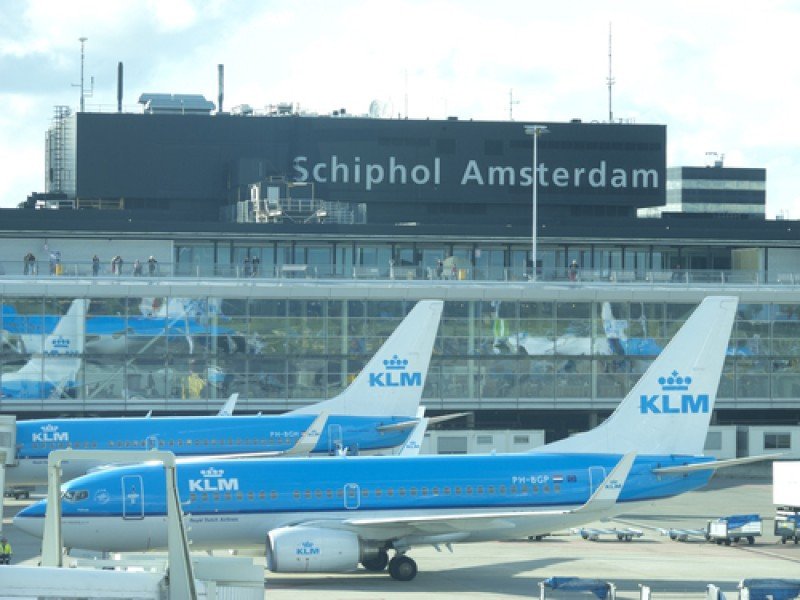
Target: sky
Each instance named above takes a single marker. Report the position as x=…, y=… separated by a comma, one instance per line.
x=722, y=76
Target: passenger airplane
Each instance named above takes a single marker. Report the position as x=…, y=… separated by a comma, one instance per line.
x=53, y=371
x=328, y=515
x=178, y=319
x=377, y=412
x=614, y=341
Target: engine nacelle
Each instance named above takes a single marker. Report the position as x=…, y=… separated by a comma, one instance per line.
x=312, y=550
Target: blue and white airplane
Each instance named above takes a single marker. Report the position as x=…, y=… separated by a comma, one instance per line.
x=53, y=370
x=180, y=319
x=330, y=515
x=376, y=413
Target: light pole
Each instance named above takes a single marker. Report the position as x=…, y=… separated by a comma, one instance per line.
x=535, y=131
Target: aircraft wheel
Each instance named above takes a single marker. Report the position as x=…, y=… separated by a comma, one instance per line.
x=377, y=562
x=751, y=540
x=402, y=568
x=727, y=542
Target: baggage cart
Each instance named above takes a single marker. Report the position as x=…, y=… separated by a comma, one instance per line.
x=732, y=529
x=787, y=524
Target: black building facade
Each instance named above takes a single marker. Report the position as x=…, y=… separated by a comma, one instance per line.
x=426, y=172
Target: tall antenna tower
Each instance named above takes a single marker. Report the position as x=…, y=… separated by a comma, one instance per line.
x=610, y=78
x=84, y=94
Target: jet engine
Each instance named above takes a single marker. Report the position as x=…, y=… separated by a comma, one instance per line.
x=314, y=550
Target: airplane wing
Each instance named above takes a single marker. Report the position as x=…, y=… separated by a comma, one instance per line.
x=414, y=442
x=411, y=423
x=303, y=447
x=310, y=438
x=435, y=528
x=717, y=464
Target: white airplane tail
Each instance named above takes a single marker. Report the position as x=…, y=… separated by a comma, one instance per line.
x=391, y=383
x=669, y=408
x=62, y=352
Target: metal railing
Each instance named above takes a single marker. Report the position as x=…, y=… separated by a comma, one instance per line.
x=250, y=270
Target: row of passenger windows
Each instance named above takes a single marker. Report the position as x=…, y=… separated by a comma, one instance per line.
x=401, y=492
x=285, y=441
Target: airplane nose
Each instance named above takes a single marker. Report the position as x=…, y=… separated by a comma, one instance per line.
x=31, y=519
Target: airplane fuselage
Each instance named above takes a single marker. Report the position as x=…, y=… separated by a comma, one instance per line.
x=191, y=437
x=235, y=503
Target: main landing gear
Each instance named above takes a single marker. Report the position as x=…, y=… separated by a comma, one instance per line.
x=401, y=567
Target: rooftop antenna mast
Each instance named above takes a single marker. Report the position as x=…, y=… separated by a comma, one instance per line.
x=84, y=94
x=511, y=103
x=610, y=79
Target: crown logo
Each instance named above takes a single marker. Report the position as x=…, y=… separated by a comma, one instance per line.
x=60, y=342
x=212, y=472
x=675, y=382
x=49, y=428
x=307, y=544
x=395, y=364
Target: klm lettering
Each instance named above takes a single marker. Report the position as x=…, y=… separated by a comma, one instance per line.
x=662, y=404
x=395, y=379
x=217, y=485
x=303, y=551
x=52, y=436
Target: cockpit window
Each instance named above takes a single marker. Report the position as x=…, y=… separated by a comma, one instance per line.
x=75, y=495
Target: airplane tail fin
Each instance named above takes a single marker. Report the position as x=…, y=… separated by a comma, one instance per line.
x=62, y=351
x=391, y=383
x=669, y=408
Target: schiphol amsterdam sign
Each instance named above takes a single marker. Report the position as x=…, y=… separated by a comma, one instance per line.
x=394, y=172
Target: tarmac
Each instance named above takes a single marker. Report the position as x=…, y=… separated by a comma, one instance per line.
x=514, y=569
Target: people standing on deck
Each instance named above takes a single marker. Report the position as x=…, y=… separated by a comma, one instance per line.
x=152, y=265
x=95, y=265
x=116, y=265
x=572, y=273
x=29, y=264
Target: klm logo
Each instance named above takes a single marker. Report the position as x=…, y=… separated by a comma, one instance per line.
x=307, y=549
x=50, y=433
x=614, y=485
x=674, y=404
x=213, y=482
x=60, y=345
x=395, y=375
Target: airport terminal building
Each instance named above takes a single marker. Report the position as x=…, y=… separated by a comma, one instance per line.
x=286, y=247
